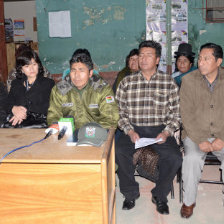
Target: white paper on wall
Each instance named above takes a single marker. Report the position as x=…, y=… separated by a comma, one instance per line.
x=156, y=26
x=59, y=24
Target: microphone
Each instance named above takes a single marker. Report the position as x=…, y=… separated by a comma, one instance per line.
x=66, y=126
x=62, y=132
x=50, y=132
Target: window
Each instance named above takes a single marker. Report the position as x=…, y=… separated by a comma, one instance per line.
x=215, y=11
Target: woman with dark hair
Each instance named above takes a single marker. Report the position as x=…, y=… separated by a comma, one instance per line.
x=184, y=62
x=12, y=74
x=131, y=66
x=30, y=91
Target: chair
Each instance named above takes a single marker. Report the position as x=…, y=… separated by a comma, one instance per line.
x=210, y=159
x=146, y=160
x=141, y=174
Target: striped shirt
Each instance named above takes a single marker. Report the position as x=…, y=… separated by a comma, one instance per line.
x=148, y=103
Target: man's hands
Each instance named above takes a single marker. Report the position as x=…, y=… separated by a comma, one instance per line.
x=206, y=146
x=19, y=113
x=163, y=135
x=133, y=136
x=216, y=145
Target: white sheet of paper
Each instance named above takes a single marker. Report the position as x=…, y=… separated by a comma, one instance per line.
x=59, y=24
x=146, y=141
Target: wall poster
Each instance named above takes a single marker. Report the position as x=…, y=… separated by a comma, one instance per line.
x=19, y=27
x=156, y=25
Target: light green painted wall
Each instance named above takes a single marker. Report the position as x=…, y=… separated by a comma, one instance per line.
x=109, y=29
x=199, y=31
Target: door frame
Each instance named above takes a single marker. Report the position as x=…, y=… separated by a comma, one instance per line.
x=3, y=53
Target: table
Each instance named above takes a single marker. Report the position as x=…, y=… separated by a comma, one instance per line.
x=50, y=182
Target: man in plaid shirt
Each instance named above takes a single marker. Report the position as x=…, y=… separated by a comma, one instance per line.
x=148, y=107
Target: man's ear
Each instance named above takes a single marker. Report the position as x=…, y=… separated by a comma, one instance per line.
x=219, y=61
x=157, y=60
x=91, y=73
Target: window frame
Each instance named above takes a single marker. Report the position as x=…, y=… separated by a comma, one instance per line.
x=210, y=19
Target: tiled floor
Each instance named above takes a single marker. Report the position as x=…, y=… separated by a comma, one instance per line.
x=209, y=209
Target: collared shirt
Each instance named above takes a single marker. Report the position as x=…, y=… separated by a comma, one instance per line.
x=211, y=86
x=148, y=103
x=80, y=91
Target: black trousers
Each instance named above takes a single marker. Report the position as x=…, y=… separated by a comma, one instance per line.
x=170, y=160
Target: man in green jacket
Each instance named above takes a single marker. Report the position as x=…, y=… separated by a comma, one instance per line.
x=201, y=106
x=86, y=97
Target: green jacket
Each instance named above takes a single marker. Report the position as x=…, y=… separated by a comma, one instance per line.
x=95, y=102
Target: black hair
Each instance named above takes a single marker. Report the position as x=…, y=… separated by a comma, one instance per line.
x=217, y=49
x=152, y=44
x=81, y=50
x=83, y=56
x=21, y=49
x=25, y=59
x=131, y=53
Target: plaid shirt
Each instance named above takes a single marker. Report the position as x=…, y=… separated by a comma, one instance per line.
x=148, y=103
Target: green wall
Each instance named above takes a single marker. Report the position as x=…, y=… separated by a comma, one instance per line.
x=109, y=29
x=199, y=31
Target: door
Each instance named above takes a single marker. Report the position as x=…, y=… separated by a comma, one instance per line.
x=3, y=58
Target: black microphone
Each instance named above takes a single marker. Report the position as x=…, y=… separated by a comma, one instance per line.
x=48, y=134
x=62, y=133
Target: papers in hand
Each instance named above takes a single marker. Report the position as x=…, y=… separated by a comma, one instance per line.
x=146, y=141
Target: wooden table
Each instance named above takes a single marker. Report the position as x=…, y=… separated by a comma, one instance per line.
x=50, y=182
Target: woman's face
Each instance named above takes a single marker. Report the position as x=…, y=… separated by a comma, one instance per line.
x=31, y=70
x=133, y=63
x=183, y=64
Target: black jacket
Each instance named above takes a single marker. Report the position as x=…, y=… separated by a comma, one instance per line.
x=3, y=98
x=36, y=99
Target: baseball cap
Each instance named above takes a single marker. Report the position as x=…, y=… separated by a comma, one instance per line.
x=92, y=134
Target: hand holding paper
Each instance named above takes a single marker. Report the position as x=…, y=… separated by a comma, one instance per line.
x=146, y=141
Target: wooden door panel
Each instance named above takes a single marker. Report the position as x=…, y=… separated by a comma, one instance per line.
x=3, y=58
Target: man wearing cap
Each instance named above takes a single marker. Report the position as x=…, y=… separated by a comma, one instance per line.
x=201, y=100
x=184, y=62
x=149, y=107
x=84, y=96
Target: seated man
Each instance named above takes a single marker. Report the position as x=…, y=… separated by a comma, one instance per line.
x=84, y=96
x=201, y=100
x=149, y=107
x=66, y=72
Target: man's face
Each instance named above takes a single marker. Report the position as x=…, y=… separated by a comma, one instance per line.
x=148, y=60
x=207, y=64
x=133, y=63
x=80, y=74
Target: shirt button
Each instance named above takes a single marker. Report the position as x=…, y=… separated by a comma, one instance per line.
x=212, y=135
x=211, y=106
x=211, y=123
